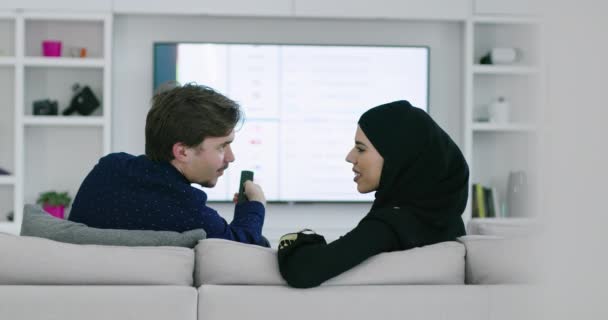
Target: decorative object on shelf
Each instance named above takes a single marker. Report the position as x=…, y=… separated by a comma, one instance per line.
x=4, y=172
x=517, y=194
x=500, y=56
x=51, y=48
x=10, y=217
x=54, y=203
x=498, y=110
x=485, y=202
x=78, y=52
x=84, y=101
x=45, y=107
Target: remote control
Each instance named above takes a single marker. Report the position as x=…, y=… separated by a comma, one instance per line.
x=245, y=175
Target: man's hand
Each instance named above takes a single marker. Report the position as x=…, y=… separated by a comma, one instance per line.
x=254, y=192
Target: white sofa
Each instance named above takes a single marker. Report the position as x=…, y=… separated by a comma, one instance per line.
x=474, y=278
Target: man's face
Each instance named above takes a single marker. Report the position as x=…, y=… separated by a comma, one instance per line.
x=207, y=161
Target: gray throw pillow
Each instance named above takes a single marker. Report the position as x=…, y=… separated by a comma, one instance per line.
x=37, y=223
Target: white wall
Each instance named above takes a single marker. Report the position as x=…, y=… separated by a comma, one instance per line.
x=132, y=81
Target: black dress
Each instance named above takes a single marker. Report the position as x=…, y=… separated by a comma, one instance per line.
x=422, y=193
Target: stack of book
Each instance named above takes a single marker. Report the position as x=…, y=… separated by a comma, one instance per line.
x=485, y=202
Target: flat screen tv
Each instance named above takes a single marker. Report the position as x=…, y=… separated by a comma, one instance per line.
x=301, y=106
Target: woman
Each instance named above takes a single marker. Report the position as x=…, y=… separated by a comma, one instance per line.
x=421, y=183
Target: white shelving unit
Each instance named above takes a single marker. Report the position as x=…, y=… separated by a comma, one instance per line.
x=493, y=150
x=8, y=63
x=53, y=152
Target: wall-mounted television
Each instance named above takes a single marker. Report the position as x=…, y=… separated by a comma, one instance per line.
x=301, y=105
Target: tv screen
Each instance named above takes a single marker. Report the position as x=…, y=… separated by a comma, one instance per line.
x=301, y=106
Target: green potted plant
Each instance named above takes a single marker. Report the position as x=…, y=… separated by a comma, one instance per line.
x=54, y=203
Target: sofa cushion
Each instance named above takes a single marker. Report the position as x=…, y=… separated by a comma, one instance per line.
x=384, y=302
x=37, y=223
x=98, y=302
x=499, y=260
x=222, y=262
x=28, y=260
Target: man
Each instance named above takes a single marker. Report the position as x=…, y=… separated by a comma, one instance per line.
x=189, y=130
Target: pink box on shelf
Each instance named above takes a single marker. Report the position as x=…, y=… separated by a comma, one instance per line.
x=51, y=48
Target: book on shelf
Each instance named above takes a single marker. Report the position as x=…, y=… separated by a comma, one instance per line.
x=485, y=202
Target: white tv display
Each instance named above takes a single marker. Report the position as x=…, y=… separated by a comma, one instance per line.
x=301, y=106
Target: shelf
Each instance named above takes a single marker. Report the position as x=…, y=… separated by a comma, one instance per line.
x=53, y=16
x=506, y=70
x=505, y=220
x=7, y=61
x=63, y=121
x=492, y=19
x=7, y=180
x=8, y=227
x=508, y=127
x=64, y=62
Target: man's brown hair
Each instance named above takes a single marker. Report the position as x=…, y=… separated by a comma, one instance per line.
x=187, y=114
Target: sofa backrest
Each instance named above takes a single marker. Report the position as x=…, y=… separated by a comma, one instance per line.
x=227, y=262
x=500, y=260
x=37, y=261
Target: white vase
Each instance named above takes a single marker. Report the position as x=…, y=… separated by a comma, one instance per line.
x=499, y=111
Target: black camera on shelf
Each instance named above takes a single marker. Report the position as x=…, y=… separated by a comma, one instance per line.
x=84, y=101
x=46, y=107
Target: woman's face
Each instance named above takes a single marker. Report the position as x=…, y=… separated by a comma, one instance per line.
x=367, y=163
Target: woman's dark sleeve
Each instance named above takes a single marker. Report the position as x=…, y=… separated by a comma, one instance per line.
x=308, y=261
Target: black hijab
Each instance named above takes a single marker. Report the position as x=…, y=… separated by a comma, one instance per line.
x=424, y=172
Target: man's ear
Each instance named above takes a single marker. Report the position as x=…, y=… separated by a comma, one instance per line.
x=181, y=152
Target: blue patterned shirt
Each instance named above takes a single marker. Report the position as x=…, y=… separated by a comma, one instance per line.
x=134, y=193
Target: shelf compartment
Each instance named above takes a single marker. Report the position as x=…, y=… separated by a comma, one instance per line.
x=7, y=37
x=56, y=84
x=522, y=94
x=74, y=121
x=496, y=154
x=524, y=37
x=72, y=34
x=59, y=158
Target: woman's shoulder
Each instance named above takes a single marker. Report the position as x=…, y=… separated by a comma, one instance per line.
x=411, y=229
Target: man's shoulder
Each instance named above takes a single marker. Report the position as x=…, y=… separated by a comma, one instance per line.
x=122, y=158
x=117, y=156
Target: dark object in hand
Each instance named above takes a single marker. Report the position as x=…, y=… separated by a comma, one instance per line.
x=84, y=101
x=45, y=107
x=245, y=175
